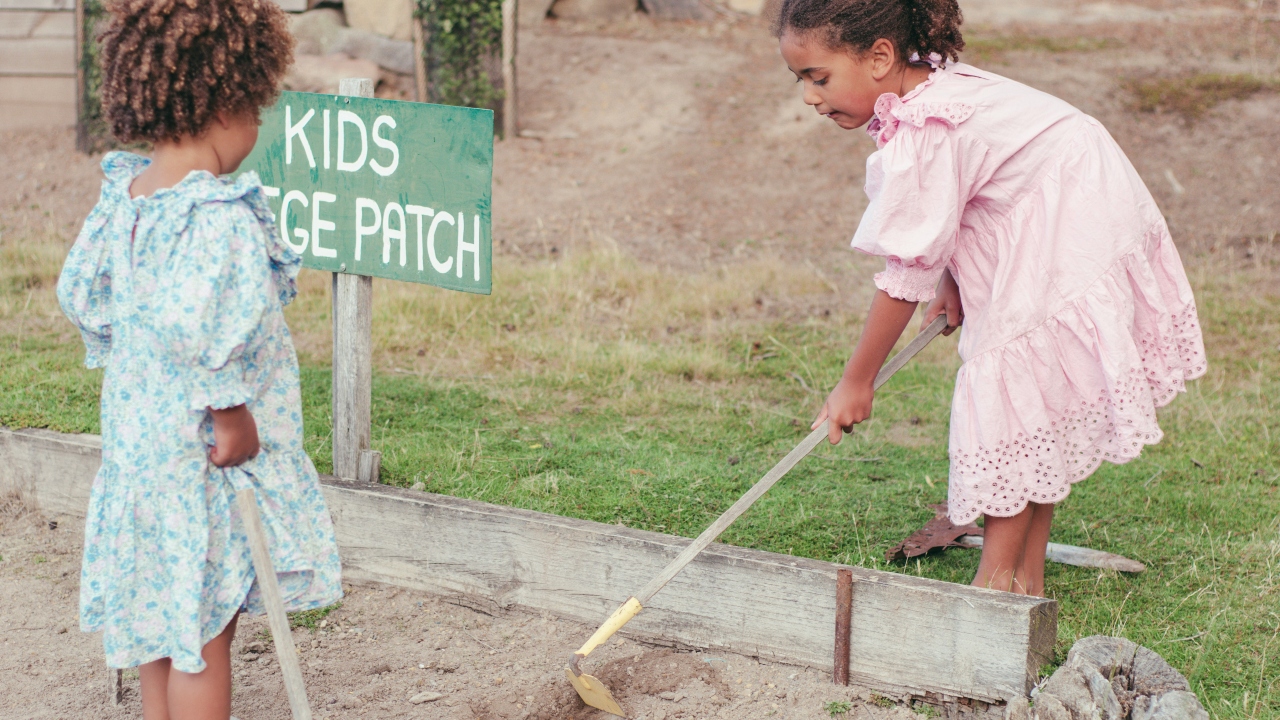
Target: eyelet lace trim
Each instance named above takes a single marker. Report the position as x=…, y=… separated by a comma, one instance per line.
x=891, y=111
x=1113, y=425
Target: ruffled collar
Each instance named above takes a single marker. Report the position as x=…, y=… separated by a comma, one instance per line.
x=891, y=110
x=202, y=186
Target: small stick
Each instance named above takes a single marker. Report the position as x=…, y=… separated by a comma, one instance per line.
x=844, y=614
x=280, y=633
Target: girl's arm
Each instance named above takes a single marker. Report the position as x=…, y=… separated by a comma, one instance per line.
x=850, y=402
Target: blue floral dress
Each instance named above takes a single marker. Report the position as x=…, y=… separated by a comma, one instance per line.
x=180, y=297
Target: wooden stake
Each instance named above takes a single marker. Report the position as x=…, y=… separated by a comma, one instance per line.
x=509, y=21
x=82, y=130
x=844, y=613
x=352, y=352
x=281, y=635
x=420, y=60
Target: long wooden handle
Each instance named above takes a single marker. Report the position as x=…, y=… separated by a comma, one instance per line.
x=280, y=632
x=760, y=488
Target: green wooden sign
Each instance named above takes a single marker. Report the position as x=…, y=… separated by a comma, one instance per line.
x=396, y=190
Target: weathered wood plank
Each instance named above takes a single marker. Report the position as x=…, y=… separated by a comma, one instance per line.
x=27, y=102
x=64, y=5
x=908, y=635
x=38, y=56
x=19, y=23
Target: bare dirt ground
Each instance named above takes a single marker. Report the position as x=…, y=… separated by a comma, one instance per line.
x=686, y=146
x=383, y=649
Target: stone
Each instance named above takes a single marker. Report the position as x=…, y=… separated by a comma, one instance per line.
x=1048, y=707
x=1018, y=709
x=322, y=73
x=1084, y=691
x=593, y=9
x=1108, y=678
x=323, y=32
x=249, y=657
x=1172, y=705
x=380, y=669
x=425, y=697
x=389, y=18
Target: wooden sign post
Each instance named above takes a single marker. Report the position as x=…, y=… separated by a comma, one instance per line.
x=364, y=187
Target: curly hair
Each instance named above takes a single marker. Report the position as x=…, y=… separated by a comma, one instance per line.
x=913, y=26
x=169, y=67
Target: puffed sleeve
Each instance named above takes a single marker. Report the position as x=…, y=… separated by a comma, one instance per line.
x=917, y=193
x=84, y=287
x=212, y=300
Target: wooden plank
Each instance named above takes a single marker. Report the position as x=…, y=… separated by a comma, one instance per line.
x=63, y=5
x=27, y=102
x=19, y=23
x=38, y=56
x=55, y=25
x=909, y=636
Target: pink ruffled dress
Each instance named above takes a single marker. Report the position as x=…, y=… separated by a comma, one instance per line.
x=1079, y=320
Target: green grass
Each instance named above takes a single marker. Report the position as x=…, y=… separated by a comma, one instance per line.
x=631, y=423
x=1194, y=95
x=310, y=619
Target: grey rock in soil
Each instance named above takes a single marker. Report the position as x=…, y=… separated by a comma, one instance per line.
x=1107, y=678
x=1017, y=709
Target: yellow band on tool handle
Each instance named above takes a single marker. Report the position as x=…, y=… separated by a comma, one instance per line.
x=620, y=617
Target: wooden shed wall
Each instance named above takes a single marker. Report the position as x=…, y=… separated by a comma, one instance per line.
x=37, y=63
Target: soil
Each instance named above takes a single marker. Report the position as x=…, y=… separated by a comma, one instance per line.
x=383, y=648
x=684, y=145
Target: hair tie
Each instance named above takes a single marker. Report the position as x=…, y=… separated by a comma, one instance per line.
x=936, y=61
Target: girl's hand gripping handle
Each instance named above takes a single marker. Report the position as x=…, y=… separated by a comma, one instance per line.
x=946, y=301
x=235, y=436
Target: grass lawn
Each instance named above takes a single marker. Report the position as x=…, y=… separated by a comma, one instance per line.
x=599, y=389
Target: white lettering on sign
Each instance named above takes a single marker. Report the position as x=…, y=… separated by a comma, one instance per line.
x=346, y=117
x=473, y=246
x=440, y=267
x=419, y=211
x=317, y=224
x=293, y=196
x=385, y=144
x=388, y=234
x=326, y=138
x=363, y=230
x=291, y=131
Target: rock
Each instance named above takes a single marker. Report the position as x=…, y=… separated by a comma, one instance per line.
x=1049, y=707
x=249, y=657
x=418, y=486
x=1106, y=678
x=1084, y=691
x=380, y=669
x=1172, y=705
x=323, y=32
x=425, y=697
x=593, y=9
x=316, y=31
x=256, y=647
x=389, y=18
x=1017, y=709
x=321, y=74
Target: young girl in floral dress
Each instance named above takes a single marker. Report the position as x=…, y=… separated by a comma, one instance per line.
x=177, y=283
x=1018, y=215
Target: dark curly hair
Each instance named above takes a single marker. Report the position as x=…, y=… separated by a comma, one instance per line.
x=913, y=26
x=170, y=66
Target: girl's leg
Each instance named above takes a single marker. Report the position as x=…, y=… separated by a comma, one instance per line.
x=1031, y=571
x=205, y=695
x=1003, y=544
x=155, y=689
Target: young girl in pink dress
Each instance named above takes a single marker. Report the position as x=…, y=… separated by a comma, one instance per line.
x=1017, y=215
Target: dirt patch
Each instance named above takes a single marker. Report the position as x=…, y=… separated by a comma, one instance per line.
x=386, y=652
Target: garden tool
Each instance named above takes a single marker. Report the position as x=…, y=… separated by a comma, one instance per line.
x=281, y=635
x=594, y=692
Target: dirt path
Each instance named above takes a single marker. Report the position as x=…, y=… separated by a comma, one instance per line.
x=384, y=648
